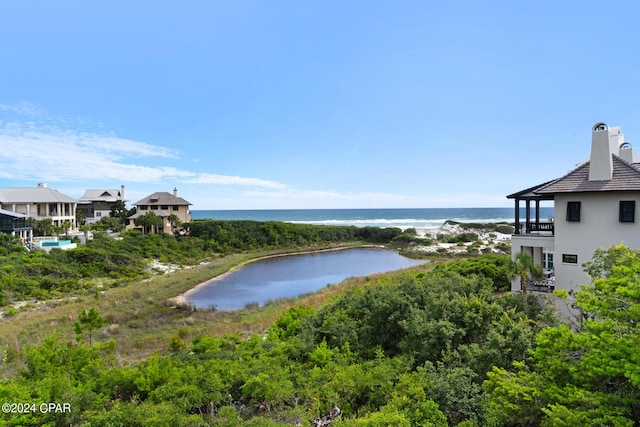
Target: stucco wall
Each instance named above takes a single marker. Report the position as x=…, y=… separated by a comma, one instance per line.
x=599, y=227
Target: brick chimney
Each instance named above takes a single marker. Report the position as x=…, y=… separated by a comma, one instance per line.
x=175, y=192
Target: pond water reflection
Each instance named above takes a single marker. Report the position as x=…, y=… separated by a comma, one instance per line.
x=290, y=276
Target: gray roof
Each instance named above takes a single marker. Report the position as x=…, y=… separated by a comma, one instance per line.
x=100, y=196
x=529, y=192
x=38, y=194
x=162, y=198
x=160, y=213
x=13, y=214
x=626, y=177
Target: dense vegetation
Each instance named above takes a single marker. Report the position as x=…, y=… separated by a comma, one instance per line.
x=228, y=236
x=102, y=262
x=589, y=375
x=414, y=348
x=106, y=261
x=494, y=267
x=498, y=227
x=411, y=348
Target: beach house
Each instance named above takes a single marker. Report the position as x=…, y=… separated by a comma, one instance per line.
x=16, y=224
x=594, y=207
x=40, y=202
x=96, y=204
x=167, y=206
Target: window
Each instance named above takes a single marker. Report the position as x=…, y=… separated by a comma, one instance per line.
x=627, y=211
x=570, y=259
x=164, y=207
x=547, y=260
x=573, y=211
x=176, y=207
x=143, y=207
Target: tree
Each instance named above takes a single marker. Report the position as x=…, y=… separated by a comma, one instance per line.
x=85, y=229
x=149, y=221
x=174, y=221
x=66, y=225
x=57, y=230
x=585, y=376
x=43, y=227
x=11, y=243
x=81, y=216
x=110, y=223
x=119, y=210
x=524, y=267
x=88, y=322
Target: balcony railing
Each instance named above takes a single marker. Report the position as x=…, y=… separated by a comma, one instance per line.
x=545, y=285
x=543, y=228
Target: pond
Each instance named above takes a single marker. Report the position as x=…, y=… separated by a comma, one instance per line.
x=293, y=275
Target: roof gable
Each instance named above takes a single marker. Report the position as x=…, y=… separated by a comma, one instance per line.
x=162, y=198
x=101, y=195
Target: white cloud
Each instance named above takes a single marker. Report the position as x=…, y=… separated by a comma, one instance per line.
x=42, y=148
x=50, y=140
x=24, y=108
x=208, y=178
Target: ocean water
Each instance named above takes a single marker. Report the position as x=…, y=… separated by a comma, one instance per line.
x=401, y=218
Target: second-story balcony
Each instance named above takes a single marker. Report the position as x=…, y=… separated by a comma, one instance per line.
x=541, y=228
x=531, y=224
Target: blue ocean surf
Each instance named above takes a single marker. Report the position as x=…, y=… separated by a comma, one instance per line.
x=401, y=218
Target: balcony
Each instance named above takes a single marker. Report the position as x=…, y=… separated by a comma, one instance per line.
x=537, y=228
x=531, y=213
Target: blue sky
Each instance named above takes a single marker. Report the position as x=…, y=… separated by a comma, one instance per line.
x=311, y=104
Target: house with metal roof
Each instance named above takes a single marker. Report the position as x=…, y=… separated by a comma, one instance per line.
x=165, y=205
x=96, y=204
x=40, y=202
x=594, y=207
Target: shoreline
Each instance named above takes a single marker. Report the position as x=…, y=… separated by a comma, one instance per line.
x=182, y=299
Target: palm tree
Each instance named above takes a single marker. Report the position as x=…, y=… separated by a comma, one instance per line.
x=66, y=225
x=174, y=221
x=524, y=267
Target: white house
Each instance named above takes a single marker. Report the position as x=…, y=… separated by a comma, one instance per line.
x=40, y=202
x=96, y=204
x=594, y=205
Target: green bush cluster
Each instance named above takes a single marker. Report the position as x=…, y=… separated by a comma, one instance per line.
x=25, y=275
x=459, y=238
x=499, y=227
x=232, y=236
x=491, y=266
x=41, y=275
x=409, y=349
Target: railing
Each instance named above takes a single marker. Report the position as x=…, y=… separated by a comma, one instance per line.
x=541, y=226
x=545, y=285
x=537, y=227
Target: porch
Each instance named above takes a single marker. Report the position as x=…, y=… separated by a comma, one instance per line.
x=532, y=223
x=548, y=284
x=541, y=249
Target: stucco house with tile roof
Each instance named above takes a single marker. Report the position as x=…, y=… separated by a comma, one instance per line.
x=594, y=206
x=164, y=205
x=40, y=202
x=97, y=203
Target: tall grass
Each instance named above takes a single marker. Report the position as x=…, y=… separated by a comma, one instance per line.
x=142, y=316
